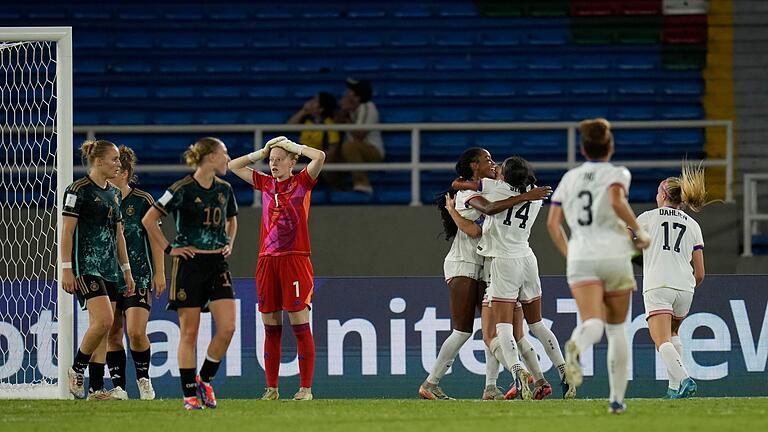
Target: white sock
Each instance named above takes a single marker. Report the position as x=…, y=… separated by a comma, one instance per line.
x=497, y=354
x=447, y=354
x=587, y=333
x=508, y=347
x=618, y=357
x=675, y=368
x=551, y=345
x=678, y=344
x=530, y=358
x=491, y=368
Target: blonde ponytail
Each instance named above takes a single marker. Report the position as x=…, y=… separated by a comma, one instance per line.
x=689, y=189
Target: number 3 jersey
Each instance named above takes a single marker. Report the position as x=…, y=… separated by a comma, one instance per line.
x=674, y=237
x=596, y=230
x=200, y=214
x=505, y=234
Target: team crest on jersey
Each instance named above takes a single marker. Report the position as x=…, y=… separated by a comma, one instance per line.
x=130, y=211
x=181, y=295
x=198, y=200
x=222, y=198
x=94, y=286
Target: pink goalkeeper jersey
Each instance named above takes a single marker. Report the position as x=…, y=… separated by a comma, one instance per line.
x=285, y=211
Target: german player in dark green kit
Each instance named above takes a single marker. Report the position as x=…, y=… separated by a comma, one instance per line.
x=94, y=259
x=205, y=211
x=136, y=308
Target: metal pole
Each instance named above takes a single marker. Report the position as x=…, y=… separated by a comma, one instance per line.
x=747, y=252
x=415, y=170
x=571, y=146
x=729, y=161
x=258, y=137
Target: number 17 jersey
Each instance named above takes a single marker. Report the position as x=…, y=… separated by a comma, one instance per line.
x=596, y=230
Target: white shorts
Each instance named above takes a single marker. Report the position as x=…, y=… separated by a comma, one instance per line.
x=667, y=301
x=614, y=274
x=514, y=279
x=452, y=269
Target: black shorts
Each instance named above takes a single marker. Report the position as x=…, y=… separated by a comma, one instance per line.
x=198, y=281
x=89, y=286
x=142, y=298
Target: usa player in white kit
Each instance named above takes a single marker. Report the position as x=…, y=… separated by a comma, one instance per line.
x=593, y=200
x=462, y=269
x=668, y=283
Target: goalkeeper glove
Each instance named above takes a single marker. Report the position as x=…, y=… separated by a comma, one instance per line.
x=290, y=146
x=264, y=151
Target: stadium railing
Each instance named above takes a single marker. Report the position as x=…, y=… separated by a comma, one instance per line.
x=751, y=214
x=416, y=166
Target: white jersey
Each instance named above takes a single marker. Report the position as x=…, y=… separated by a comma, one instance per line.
x=596, y=231
x=505, y=234
x=674, y=237
x=464, y=247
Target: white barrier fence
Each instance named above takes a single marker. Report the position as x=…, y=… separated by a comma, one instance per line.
x=751, y=214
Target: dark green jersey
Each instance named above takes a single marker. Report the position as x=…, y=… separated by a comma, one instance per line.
x=94, y=244
x=134, y=207
x=200, y=213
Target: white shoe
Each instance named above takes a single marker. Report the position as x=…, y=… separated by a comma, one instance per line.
x=118, y=393
x=270, y=393
x=76, y=384
x=99, y=395
x=573, y=374
x=146, y=391
x=304, y=393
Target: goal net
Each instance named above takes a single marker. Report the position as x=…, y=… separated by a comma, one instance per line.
x=35, y=167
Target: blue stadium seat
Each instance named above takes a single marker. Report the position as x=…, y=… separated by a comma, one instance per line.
x=688, y=138
x=502, y=38
x=640, y=140
x=402, y=115
x=174, y=117
x=320, y=13
x=451, y=90
x=635, y=113
x=445, y=143
x=133, y=67
x=636, y=88
x=269, y=66
x=274, y=13
x=96, y=67
x=590, y=88
x=221, y=117
x=408, y=64
x=409, y=39
x=226, y=41
x=539, y=90
x=363, y=64
x=90, y=40
x=362, y=40
x=338, y=197
x=137, y=16
x=496, y=115
x=183, y=16
x=273, y=41
x=686, y=88
x=404, y=90
x=175, y=92
x=265, y=117
x=502, y=63
x=224, y=67
x=548, y=37
x=457, y=10
x=585, y=112
x=501, y=90
x=454, y=39
x=542, y=114
x=127, y=117
x=316, y=40
x=544, y=63
x=314, y=65
x=181, y=41
x=638, y=62
x=366, y=13
x=134, y=41
x=682, y=112
x=127, y=92
x=452, y=64
x=267, y=91
x=590, y=63
x=450, y=114
x=88, y=92
x=410, y=11
x=82, y=117
x=221, y=92
x=228, y=14
x=398, y=147
x=305, y=91
x=178, y=67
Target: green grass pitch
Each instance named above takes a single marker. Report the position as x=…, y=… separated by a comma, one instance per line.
x=705, y=414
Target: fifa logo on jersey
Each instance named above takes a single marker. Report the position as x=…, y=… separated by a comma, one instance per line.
x=130, y=211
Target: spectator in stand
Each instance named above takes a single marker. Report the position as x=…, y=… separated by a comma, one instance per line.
x=360, y=146
x=321, y=109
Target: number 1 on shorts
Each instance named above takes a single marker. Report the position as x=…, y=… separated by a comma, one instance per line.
x=296, y=284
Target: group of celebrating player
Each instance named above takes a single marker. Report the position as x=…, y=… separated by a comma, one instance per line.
x=489, y=212
x=113, y=250
x=112, y=254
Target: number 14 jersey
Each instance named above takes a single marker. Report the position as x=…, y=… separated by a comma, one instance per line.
x=596, y=231
x=505, y=234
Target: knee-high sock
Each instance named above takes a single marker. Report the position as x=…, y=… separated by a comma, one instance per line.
x=272, y=351
x=530, y=358
x=305, y=344
x=491, y=368
x=447, y=354
x=618, y=357
x=495, y=350
x=142, y=361
x=116, y=365
x=508, y=347
x=587, y=333
x=678, y=344
x=96, y=376
x=551, y=345
x=209, y=368
x=675, y=368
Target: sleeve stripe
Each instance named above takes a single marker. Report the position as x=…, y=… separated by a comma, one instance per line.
x=160, y=208
x=698, y=247
x=623, y=186
x=557, y=203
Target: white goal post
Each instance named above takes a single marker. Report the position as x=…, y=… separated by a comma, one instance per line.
x=36, y=159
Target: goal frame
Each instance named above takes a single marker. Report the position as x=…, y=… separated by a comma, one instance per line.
x=64, y=164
